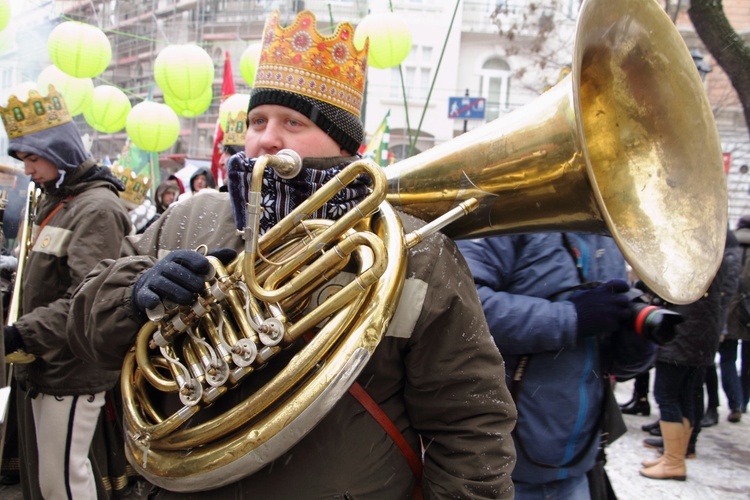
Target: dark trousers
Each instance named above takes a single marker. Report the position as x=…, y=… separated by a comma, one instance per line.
x=675, y=389
x=698, y=408
x=642, y=382
x=712, y=387
x=736, y=385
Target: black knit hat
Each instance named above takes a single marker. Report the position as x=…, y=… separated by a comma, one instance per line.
x=320, y=76
x=342, y=126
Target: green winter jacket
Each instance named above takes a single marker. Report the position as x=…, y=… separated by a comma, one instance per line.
x=437, y=375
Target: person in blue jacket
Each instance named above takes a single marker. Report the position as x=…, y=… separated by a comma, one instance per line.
x=561, y=340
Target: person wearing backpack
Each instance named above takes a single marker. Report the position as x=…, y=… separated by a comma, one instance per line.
x=737, y=386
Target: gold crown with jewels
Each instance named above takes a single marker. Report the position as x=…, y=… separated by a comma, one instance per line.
x=299, y=59
x=36, y=114
x=236, y=129
x=136, y=186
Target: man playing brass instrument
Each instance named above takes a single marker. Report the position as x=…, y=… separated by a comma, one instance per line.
x=436, y=374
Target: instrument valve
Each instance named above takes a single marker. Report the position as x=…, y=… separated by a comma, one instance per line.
x=221, y=289
x=202, y=306
x=265, y=354
x=142, y=440
x=271, y=332
x=244, y=352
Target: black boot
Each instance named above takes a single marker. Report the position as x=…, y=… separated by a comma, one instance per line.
x=652, y=428
x=710, y=418
x=630, y=402
x=655, y=443
x=640, y=406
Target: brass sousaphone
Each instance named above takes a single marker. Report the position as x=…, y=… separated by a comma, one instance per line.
x=625, y=145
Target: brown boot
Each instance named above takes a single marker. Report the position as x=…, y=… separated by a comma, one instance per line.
x=686, y=435
x=650, y=463
x=671, y=465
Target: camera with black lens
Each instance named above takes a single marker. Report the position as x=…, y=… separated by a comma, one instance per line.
x=650, y=321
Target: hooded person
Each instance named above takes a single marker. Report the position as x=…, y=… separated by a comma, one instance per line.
x=430, y=409
x=166, y=194
x=78, y=221
x=201, y=180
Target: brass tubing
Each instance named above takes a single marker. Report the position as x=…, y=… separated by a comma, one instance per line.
x=134, y=422
x=144, y=363
x=25, y=243
x=212, y=332
x=370, y=274
x=319, y=241
x=295, y=371
x=247, y=410
x=193, y=363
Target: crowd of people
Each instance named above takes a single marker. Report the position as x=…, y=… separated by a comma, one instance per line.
x=498, y=390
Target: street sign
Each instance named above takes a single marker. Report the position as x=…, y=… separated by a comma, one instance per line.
x=466, y=108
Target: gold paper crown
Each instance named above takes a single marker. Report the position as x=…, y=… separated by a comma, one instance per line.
x=136, y=186
x=236, y=130
x=36, y=114
x=299, y=59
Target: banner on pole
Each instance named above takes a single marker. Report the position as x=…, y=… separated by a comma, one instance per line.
x=377, y=148
x=227, y=90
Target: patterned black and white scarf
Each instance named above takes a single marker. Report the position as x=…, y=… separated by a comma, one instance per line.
x=281, y=196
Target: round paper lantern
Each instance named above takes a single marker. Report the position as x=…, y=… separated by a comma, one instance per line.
x=152, y=126
x=80, y=50
x=108, y=110
x=249, y=62
x=390, y=39
x=77, y=92
x=193, y=107
x=4, y=14
x=233, y=105
x=184, y=71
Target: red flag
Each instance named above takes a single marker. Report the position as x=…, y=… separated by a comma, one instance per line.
x=227, y=85
x=227, y=89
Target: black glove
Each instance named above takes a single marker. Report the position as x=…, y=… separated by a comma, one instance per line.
x=12, y=339
x=177, y=278
x=603, y=309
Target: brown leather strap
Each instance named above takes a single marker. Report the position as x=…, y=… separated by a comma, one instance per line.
x=415, y=463
x=376, y=412
x=51, y=214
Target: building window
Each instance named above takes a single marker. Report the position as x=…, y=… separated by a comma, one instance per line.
x=495, y=86
x=417, y=71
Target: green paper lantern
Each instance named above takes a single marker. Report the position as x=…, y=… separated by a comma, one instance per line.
x=233, y=105
x=193, y=107
x=184, y=71
x=80, y=50
x=249, y=62
x=390, y=39
x=4, y=14
x=108, y=110
x=77, y=92
x=152, y=126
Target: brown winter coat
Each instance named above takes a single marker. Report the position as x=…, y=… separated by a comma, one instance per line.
x=90, y=227
x=437, y=374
